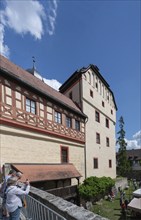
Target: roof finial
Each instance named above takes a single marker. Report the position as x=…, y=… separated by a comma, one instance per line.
x=33, y=62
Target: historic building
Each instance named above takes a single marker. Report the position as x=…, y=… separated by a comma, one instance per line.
x=134, y=157
x=67, y=135
x=92, y=94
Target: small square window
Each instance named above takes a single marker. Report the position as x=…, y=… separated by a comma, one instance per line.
x=103, y=104
x=64, y=154
x=91, y=93
x=95, y=161
x=97, y=138
x=97, y=116
x=107, y=122
x=107, y=142
x=110, y=163
x=70, y=95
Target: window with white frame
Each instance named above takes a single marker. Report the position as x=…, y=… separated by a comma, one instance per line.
x=30, y=106
x=58, y=117
x=77, y=125
x=68, y=122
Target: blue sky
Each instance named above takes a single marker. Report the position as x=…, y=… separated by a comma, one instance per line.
x=66, y=35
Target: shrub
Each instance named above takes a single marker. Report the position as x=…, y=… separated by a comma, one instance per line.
x=94, y=188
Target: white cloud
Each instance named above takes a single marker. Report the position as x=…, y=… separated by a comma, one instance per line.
x=24, y=17
x=4, y=50
x=53, y=83
x=135, y=143
x=52, y=14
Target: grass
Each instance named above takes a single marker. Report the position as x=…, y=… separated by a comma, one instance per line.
x=112, y=210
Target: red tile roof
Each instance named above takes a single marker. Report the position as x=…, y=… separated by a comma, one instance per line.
x=44, y=172
x=32, y=81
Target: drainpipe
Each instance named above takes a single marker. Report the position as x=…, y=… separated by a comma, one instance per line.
x=85, y=151
x=81, y=104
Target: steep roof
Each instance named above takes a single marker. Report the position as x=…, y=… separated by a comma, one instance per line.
x=77, y=74
x=21, y=75
x=134, y=153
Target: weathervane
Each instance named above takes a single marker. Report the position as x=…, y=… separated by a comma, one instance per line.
x=33, y=59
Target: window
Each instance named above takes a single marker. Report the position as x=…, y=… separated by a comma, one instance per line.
x=77, y=125
x=97, y=138
x=58, y=118
x=91, y=93
x=30, y=106
x=89, y=77
x=103, y=104
x=70, y=95
x=107, y=122
x=95, y=163
x=97, y=116
x=111, y=111
x=68, y=122
x=107, y=142
x=64, y=154
x=110, y=163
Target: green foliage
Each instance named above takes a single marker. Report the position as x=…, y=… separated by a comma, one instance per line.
x=124, y=166
x=94, y=188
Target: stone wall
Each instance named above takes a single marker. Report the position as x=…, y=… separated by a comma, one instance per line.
x=64, y=208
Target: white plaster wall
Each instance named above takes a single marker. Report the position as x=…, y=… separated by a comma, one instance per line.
x=94, y=150
x=19, y=146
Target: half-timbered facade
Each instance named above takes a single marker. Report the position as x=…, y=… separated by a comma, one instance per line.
x=37, y=123
x=40, y=125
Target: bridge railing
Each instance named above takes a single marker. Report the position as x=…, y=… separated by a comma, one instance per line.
x=35, y=210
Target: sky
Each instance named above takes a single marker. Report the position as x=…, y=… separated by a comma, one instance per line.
x=66, y=35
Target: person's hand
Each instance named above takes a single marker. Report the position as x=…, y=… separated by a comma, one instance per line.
x=27, y=182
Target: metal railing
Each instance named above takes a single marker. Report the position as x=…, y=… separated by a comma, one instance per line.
x=36, y=210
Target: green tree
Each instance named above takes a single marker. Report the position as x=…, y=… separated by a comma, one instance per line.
x=124, y=166
x=93, y=188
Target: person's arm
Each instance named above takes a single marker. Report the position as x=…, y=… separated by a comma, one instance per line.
x=19, y=191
